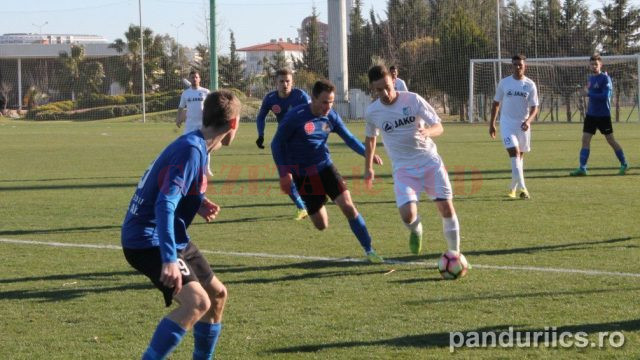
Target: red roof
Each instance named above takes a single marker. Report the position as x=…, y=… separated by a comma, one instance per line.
x=275, y=47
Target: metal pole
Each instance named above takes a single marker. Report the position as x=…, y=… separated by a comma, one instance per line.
x=638, y=70
x=498, y=33
x=338, y=65
x=213, y=50
x=470, y=111
x=19, y=84
x=144, y=111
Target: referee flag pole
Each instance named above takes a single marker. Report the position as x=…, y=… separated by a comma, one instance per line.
x=213, y=49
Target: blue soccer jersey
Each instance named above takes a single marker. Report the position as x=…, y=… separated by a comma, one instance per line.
x=599, y=95
x=167, y=198
x=279, y=106
x=301, y=140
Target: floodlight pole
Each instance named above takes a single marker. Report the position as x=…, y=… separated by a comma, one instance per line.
x=144, y=111
x=498, y=39
x=213, y=48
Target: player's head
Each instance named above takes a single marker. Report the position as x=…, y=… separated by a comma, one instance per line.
x=194, y=78
x=519, y=65
x=221, y=112
x=284, y=82
x=595, y=63
x=393, y=70
x=322, y=97
x=381, y=84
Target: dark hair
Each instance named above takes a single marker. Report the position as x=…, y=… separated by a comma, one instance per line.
x=392, y=67
x=220, y=107
x=377, y=72
x=321, y=86
x=284, y=72
x=192, y=72
x=595, y=57
x=518, y=57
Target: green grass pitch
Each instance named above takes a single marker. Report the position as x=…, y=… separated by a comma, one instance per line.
x=566, y=259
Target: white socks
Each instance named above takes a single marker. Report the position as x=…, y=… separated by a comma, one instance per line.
x=517, y=173
x=415, y=226
x=451, y=230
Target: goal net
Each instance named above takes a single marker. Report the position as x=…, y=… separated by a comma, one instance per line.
x=561, y=83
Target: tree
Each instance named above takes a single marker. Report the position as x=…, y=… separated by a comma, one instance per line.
x=202, y=63
x=173, y=64
x=315, y=56
x=461, y=40
x=232, y=67
x=77, y=75
x=128, y=73
x=359, y=48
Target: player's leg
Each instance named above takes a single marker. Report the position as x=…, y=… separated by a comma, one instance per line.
x=208, y=327
x=588, y=130
x=337, y=191
x=524, y=146
x=450, y=224
x=194, y=302
x=320, y=218
x=407, y=185
x=517, y=173
x=607, y=131
x=207, y=330
x=294, y=195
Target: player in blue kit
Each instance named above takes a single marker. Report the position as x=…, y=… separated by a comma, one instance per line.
x=301, y=153
x=154, y=234
x=598, y=117
x=279, y=102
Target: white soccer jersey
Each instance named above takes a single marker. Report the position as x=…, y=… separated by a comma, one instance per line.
x=515, y=98
x=400, y=85
x=193, y=100
x=399, y=123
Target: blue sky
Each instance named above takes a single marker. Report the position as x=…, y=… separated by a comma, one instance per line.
x=252, y=21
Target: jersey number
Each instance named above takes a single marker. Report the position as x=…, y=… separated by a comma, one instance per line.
x=143, y=180
x=184, y=270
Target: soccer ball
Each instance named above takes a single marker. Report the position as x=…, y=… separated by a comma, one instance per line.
x=452, y=265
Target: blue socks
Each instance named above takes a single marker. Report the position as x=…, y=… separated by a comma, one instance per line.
x=205, y=337
x=167, y=336
x=360, y=230
x=620, y=155
x=295, y=197
x=584, y=156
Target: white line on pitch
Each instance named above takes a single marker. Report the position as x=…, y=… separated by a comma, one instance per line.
x=320, y=258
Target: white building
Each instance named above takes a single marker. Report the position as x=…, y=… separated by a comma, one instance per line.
x=256, y=53
x=48, y=39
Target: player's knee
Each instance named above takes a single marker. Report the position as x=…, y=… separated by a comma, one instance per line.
x=201, y=303
x=221, y=294
x=321, y=226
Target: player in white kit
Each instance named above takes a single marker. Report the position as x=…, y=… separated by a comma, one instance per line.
x=190, y=108
x=517, y=99
x=408, y=123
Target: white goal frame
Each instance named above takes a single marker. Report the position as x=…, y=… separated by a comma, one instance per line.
x=495, y=61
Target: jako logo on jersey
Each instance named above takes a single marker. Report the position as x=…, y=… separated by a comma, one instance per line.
x=276, y=109
x=406, y=111
x=309, y=127
x=199, y=99
x=388, y=126
x=517, y=93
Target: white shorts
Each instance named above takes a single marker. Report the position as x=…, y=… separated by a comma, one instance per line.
x=513, y=136
x=410, y=182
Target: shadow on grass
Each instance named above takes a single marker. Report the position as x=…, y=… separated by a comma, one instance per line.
x=62, y=294
x=85, y=276
x=542, y=294
x=442, y=339
x=559, y=247
x=60, y=230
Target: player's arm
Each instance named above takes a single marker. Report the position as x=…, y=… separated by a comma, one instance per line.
x=351, y=141
x=278, y=151
x=428, y=114
x=533, y=109
x=369, y=152
x=603, y=93
x=175, y=180
x=261, y=122
x=181, y=117
x=495, y=107
x=208, y=209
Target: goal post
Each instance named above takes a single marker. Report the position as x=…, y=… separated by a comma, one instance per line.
x=560, y=82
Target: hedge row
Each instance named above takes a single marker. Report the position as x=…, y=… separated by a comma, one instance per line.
x=115, y=106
